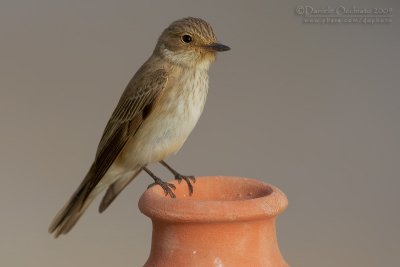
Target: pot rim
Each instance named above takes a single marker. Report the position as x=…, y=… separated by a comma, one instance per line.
x=240, y=199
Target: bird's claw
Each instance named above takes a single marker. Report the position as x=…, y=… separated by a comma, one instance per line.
x=188, y=179
x=165, y=186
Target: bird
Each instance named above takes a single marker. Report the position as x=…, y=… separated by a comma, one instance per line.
x=155, y=115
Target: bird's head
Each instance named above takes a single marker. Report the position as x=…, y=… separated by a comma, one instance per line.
x=189, y=42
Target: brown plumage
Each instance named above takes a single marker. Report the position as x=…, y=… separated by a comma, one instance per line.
x=156, y=113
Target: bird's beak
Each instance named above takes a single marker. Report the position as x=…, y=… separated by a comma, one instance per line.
x=216, y=47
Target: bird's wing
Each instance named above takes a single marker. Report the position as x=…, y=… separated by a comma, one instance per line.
x=127, y=117
x=129, y=114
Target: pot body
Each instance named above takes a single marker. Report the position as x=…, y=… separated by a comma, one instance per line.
x=233, y=225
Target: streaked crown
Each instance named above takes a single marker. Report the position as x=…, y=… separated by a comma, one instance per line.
x=197, y=27
x=188, y=41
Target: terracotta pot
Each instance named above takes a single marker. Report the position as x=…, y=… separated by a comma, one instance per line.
x=228, y=221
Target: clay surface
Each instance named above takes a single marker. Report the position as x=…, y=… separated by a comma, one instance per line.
x=228, y=221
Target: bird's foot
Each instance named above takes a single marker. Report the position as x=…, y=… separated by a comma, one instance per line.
x=166, y=186
x=188, y=179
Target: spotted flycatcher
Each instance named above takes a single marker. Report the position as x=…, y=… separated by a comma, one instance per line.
x=156, y=113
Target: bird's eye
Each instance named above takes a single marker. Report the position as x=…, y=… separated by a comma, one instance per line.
x=187, y=38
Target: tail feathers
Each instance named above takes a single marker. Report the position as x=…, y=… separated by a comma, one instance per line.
x=68, y=216
x=115, y=189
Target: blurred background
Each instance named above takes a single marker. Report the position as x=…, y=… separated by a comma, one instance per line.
x=312, y=108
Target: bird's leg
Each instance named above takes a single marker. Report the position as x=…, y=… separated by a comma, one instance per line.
x=157, y=181
x=188, y=179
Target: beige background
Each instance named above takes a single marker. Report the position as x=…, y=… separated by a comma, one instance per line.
x=312, y=109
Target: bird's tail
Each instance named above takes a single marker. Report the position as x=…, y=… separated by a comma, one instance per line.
x=116, y=188
x=68, y=216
